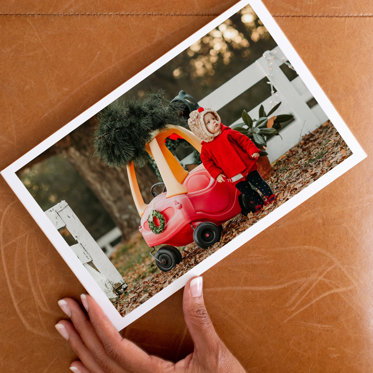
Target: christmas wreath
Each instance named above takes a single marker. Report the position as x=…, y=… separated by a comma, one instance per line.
x=156, y=228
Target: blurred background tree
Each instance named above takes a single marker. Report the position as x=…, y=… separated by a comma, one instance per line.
x=214, y=59
x=56, y=179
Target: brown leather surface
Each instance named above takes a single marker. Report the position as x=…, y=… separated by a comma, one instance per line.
x=298, y=297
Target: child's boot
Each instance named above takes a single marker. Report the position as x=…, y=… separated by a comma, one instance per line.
x=253, y=202
x=258, y=208
x=270, y=199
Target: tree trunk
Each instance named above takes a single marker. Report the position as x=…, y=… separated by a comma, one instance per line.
x=109, y=184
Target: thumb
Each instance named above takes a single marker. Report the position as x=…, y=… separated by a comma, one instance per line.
x=197, y=319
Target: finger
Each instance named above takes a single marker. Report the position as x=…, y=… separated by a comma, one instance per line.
x=78, y=367
x=197, y=319
x=67, y=330
x=87, y=334
x=121, y=350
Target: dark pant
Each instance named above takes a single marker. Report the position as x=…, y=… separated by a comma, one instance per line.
x=254, y=179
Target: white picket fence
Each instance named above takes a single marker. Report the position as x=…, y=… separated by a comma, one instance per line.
x=87, y=250
x=294, y=96
x=106, y=241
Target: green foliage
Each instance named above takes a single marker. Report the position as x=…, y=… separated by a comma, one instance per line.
x=262, y=113
x=257, y=130
x=126, y=126
x=157, y=229
x=154, y=166
x=196, y=157
x=274, y=109
x=172, y=145
x=281, y=119
x=247, y=119
x=261, y=122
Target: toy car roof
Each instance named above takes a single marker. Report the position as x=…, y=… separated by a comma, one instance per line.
x=173, y=174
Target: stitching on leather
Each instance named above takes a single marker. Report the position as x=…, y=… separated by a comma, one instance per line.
x=322, y=15
x=160, y=14
x=114, y=14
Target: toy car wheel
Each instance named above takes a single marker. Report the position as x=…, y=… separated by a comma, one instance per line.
x=166, y=259
x=206, y=234
x=177, y=253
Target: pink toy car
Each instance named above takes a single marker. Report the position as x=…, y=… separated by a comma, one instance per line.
x=191, y=209
x=195, y=216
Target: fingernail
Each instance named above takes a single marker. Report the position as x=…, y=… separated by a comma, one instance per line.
x=84, y=301
x=74, y=369
x=64, y=307
x=196, y=287
x=62, y=330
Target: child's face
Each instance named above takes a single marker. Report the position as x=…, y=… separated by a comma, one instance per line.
x=212, y=125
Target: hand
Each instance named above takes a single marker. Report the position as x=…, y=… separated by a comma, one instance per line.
x=221, y=178
x=256, y=155
x=101, y=349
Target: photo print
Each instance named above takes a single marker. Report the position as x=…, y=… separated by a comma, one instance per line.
x=185, y=162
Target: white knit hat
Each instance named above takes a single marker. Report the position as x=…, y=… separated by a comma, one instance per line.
x=197, y=124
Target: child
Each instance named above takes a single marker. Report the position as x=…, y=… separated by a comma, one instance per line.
x=229, y=156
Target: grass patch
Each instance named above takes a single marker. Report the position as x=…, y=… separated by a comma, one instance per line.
x=133, y=260
x=130, y=254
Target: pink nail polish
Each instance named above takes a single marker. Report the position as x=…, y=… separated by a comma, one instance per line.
x=196, y=287
x=74, y=369
x=64, y=307
x=62, y=330
x=84, y=301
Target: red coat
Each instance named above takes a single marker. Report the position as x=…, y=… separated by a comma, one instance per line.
x=229, y=154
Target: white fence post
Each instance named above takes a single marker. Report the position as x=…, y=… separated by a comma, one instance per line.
x=87, y=250
x=288, y=93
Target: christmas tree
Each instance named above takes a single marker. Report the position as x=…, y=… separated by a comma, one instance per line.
x=126, y=126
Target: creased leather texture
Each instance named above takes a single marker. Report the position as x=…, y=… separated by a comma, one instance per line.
x=298, y=297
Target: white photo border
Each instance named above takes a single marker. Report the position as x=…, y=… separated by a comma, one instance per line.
x=66, y=252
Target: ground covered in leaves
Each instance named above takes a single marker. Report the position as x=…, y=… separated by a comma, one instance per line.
x=315, y=155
